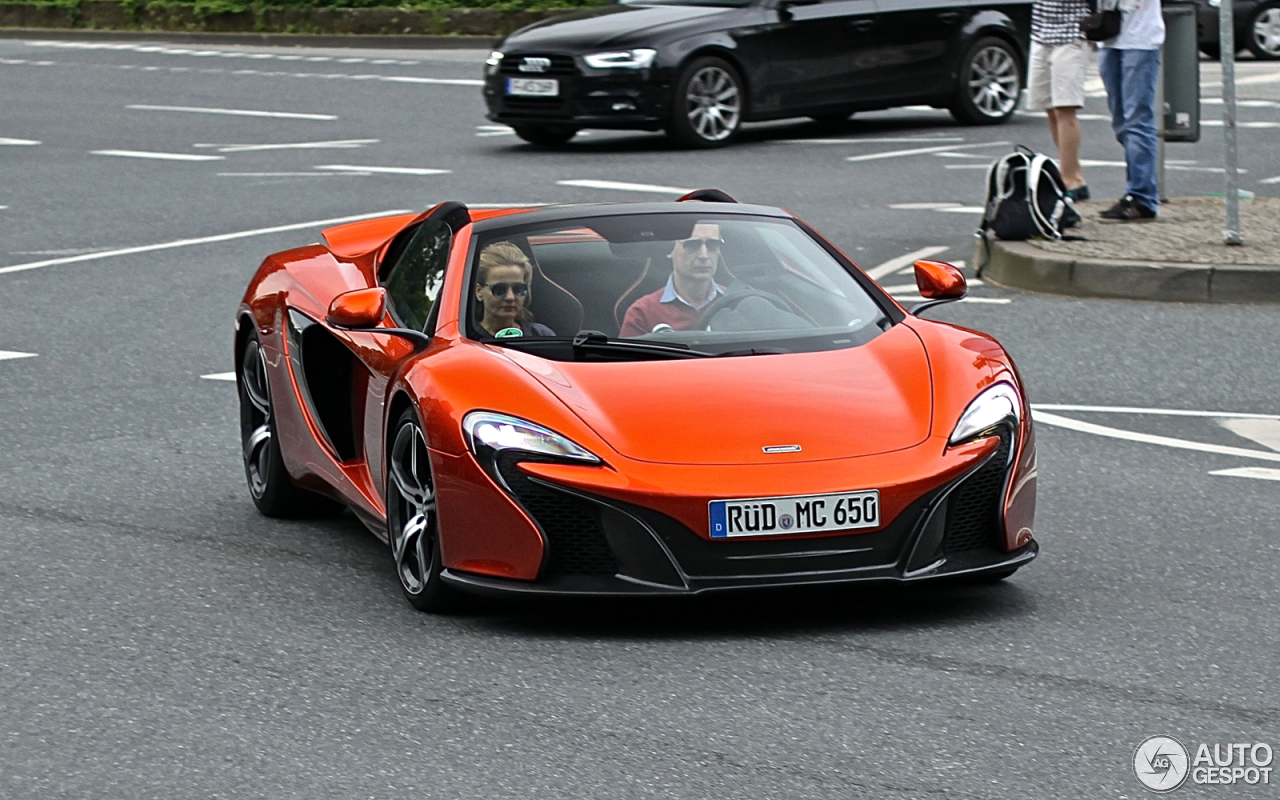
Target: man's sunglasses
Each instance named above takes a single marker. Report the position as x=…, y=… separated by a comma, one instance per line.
x=692, y=246
x=500, y=289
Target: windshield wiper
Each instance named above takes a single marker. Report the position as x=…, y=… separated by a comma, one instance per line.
x=597, y=342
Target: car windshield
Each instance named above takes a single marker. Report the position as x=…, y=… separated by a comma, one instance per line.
x=679, y=285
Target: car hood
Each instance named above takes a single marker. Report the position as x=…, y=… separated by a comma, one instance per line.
x=833, y=404
x=610, y=26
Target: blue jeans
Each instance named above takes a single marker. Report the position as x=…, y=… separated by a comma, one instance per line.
x=1130, y=77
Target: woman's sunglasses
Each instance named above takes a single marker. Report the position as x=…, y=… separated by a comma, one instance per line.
x=500, y=289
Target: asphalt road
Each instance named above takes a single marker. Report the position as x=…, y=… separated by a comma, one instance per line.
x=158, y=638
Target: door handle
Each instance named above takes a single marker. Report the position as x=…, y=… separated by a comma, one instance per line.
x=949, y=17
x=863, y=25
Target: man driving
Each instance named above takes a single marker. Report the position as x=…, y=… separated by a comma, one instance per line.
x=691, y=288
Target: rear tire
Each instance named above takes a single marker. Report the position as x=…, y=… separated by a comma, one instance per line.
x=270, y=486
x=1264, y=32
x=546, y=135
x=413, y=526
x=990, y=83
x=707, y=104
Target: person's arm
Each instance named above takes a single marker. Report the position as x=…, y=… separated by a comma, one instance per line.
x=634, y=323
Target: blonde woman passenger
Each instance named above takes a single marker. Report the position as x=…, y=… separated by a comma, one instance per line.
x=503, y=292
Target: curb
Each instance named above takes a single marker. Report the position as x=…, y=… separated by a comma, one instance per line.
x=1022, y=265
x=363, y=40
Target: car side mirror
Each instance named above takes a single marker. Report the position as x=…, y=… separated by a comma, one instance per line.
x=362, y=308
x=938, y=282
x=784, y=6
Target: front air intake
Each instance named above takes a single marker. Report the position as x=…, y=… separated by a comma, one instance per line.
x=973, y=509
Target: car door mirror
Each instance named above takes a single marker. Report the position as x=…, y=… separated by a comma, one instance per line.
x=362, y=308
x=785, y=6
x=938, y=282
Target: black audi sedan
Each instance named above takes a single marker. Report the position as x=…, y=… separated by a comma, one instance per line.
x=698, y=69
x=1257, y=27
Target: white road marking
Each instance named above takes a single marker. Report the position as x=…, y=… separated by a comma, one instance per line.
x=161, y=156
x=960, y=155
x=923, y=206
x=877, y=140
x=18, y=142
x=235, y=112
x=1217, y=101
x=294, y=174
x=5, y=355
x=385, y=170
x=1090, y=162
x=440, y=81
x=894, y=264
x=964, y=209
x=339, y=144
x=920, y=151
x=1252, y=80
x=911, y=287
x=992, y=301
x=1265, y=432
x=222, y=237
x=623, y=187
x=1258, y=473
x=968, y=166
x=1276, y=179
x=219, y=376
x=1046, y=418
x=1159, y=412
x=1217, y=123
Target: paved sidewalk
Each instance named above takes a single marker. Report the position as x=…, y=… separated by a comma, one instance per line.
x=1178, y=257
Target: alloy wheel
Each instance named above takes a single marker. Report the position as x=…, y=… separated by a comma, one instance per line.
x=256, y=428
x=713, y=103
x=1266, y=33
x=412, y=509
x=993, y=81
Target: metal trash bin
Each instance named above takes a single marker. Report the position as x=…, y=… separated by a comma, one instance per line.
x=1180, y=74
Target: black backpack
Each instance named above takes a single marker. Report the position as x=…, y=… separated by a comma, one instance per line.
x=1026, y=198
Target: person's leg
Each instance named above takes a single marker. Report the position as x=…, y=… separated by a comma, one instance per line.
x=1053, y=126
x=1067, y=137
x=1140, y=73
x=1109, y=69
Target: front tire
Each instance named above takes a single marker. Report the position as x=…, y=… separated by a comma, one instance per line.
x=270, y=486
x=1264, y=32
x=707, y=106
x=990, y=83
x=413, y=526
x=546, y=135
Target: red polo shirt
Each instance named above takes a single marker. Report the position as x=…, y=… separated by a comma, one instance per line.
x=663, y=307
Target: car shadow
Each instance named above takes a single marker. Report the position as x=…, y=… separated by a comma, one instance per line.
x=621, y=142
x=772, y=613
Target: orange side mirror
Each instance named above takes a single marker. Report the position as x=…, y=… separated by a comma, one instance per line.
x=938, y=280
x=362, y=308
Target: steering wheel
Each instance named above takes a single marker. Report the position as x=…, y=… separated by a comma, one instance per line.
x=731, y=299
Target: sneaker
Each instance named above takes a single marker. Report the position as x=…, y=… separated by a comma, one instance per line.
x=1079, y=194
x=1070, y=218
x=1128, y=209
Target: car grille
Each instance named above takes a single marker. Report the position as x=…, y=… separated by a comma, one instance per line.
x=973, y=509
x=575, y=537
x=560, y=65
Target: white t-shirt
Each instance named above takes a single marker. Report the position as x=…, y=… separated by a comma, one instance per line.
x=1141, y=26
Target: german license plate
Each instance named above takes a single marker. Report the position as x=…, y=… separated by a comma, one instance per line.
x=533, y=87
x=775, y=516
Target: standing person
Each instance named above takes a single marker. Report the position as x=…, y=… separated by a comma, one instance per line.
x=1059, y=56
x=1129, y=65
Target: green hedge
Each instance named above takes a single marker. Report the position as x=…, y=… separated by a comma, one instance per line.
x=204, y=7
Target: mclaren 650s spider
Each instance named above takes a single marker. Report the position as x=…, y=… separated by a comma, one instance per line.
x=629, y=399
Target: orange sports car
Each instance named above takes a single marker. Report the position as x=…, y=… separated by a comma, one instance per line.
x=631, y=399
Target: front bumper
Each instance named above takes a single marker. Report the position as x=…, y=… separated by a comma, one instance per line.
x=603, y=546
x=619, y=99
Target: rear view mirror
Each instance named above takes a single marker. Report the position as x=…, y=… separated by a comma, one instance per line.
x=938, y=282
x=362, y=308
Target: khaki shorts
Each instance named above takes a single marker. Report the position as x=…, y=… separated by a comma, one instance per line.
x=1055, y=76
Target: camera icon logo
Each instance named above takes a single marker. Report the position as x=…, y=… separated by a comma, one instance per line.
x=1160, y=763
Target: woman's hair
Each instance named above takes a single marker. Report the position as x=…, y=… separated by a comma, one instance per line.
x=506, y=254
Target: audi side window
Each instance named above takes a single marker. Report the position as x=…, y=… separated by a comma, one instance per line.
x=414, y=280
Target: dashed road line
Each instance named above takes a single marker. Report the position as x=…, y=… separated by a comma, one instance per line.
x=875, y=140
x=384, y=170
x=1257, y=473
x=219, y=376
x=336, y=144
x=236, y=112
x=294, y=174
x=222, y=237
x=6, y=355
x=182, y=51
x=894, y=264
x=915, y=151
x=1276, y=179
x=18, y=142
x=160, y=156
x=621, y=186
